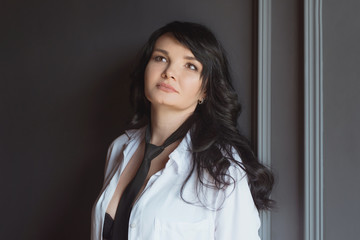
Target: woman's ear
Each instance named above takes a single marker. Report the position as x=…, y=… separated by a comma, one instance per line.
x=202, y=97
x=203, y=94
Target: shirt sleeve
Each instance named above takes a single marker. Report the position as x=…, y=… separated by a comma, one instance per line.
x=237, y=218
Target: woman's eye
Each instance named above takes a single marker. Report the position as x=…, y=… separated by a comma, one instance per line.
x=160, y=59
x=191, y=66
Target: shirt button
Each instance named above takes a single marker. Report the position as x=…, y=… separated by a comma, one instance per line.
x=133, y=225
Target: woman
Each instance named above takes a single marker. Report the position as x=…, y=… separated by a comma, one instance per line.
x=204, y=182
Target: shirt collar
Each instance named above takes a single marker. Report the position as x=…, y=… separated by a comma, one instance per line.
x=180, y=157
x=134, y=138
x=135, y=133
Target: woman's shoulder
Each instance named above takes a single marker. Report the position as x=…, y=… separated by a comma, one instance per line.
x=118, y=145
x=124, y=138
x=232, y=169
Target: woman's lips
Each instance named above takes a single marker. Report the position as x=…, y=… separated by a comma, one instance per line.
x=166, y=88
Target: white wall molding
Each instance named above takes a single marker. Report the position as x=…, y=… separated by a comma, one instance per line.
x=264, y=98
x=313, y=107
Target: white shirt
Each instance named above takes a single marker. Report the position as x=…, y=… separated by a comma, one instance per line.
x=161, y=214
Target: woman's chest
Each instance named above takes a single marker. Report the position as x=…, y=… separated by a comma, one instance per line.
x=164, y=211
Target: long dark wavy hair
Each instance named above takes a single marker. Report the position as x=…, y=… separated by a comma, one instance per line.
x=213, y=125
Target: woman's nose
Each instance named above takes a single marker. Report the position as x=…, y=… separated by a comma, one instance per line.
x=169, y=72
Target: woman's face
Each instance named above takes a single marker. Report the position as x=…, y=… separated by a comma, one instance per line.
x=173, y=76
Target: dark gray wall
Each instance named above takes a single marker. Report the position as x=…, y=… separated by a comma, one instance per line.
x=341, y=119
x=287, y=118
x=64, y=98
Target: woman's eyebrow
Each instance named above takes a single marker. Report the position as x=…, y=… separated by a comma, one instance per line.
x=161, y=50
x=167, y=53
x=190, y=58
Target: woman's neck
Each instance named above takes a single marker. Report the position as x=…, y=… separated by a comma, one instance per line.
x=164, y=123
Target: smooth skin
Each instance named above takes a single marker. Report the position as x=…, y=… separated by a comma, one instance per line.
x=173, y=86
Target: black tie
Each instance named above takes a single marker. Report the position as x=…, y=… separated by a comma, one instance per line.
x=121, y=222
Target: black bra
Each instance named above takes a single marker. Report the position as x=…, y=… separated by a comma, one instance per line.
x=108, y=227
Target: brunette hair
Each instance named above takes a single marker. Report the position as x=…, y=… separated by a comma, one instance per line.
x=213, y=125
